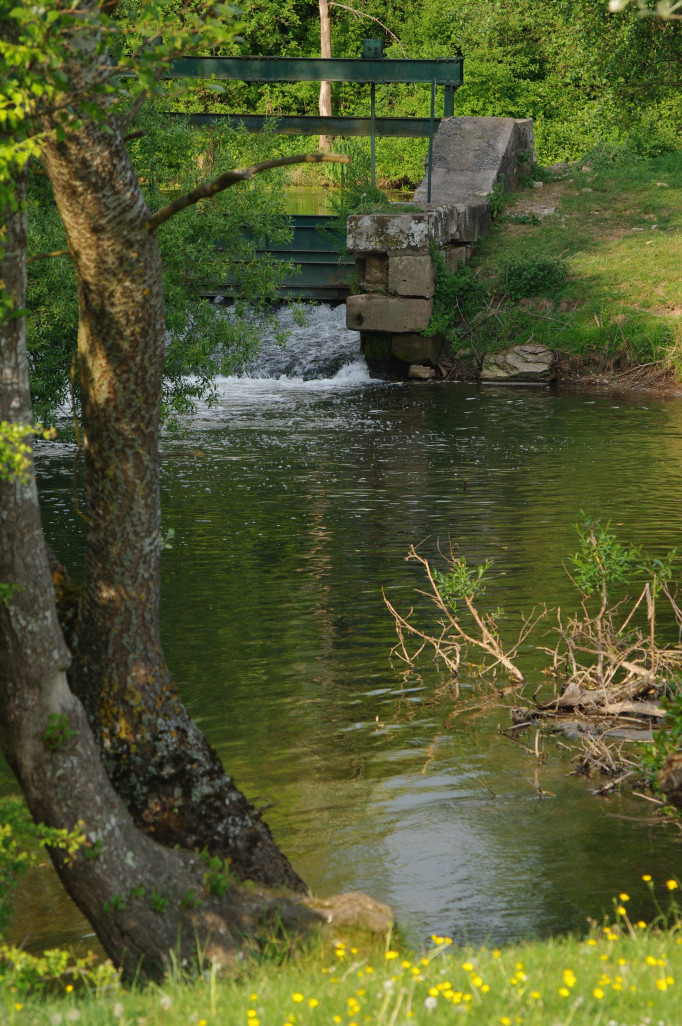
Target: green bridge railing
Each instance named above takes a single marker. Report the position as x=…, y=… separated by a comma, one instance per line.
x=372, y=69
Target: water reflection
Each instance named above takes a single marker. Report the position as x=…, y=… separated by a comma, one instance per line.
x=293, y=504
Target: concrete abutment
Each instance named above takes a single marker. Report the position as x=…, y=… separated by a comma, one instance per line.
x=394, y=267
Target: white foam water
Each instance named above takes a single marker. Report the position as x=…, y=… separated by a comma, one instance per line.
x=320, y=350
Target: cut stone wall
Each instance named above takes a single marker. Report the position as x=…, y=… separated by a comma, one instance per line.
x=393, y=264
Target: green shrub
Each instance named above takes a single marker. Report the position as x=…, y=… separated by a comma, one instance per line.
x=457, y=297
x=535, y=276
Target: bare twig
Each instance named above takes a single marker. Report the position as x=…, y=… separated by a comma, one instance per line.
x=362, y=14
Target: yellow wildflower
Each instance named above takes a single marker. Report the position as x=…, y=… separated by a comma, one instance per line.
x=672, y=885
x=598, y=993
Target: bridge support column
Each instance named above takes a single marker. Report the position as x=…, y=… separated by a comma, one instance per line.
x=394, y=266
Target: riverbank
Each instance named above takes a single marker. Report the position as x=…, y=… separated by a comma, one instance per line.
x=622, y=972
x=583, y=259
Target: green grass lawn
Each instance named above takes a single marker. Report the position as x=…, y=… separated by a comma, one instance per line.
x=625, y=973
x=617, y=229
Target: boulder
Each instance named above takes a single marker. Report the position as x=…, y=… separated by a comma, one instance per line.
x=531, y=363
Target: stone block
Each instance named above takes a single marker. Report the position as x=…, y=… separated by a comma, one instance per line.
x=468, y=222
x=376, y=270
x=387, y=313
x=376, y=347
x=521, y=363
x=367, y=233
x=456, y=256
x=418, y=372
x=411, y=275
x=415, y=349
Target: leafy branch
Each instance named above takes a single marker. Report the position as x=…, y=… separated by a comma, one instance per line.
x=209, y=189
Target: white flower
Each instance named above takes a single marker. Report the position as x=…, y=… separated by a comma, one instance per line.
x=118, y=1010
x=165, y=1002
x=56, y=1019
x=73, y=1015
x=430, y=1002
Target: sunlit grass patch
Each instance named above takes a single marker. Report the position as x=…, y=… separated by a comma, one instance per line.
x=617, y=226
x=623, y=972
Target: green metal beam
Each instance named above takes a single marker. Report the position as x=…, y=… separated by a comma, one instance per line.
x=402, y=128
x=444, y=71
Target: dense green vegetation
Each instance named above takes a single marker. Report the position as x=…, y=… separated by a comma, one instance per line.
x=170, y=157
x=584, y=75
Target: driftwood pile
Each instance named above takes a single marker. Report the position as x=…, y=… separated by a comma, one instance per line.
x=609, y=670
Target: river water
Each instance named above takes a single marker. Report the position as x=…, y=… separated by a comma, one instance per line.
x=293, y=500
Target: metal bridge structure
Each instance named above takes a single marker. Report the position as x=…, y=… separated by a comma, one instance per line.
x=324, y=275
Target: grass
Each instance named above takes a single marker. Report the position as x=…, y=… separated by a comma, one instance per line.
x=618, y=229
x=621, y=974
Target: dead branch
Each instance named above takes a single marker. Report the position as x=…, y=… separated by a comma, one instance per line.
x=362, y=14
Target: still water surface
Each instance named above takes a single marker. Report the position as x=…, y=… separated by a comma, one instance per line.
x=293, y=503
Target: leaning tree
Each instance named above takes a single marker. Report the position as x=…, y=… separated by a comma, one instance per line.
x=117, y=720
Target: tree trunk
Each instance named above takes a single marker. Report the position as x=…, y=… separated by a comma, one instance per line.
x=157, y=759
x=325, y=51
x=45, y=737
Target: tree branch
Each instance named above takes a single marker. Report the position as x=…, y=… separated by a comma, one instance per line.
x=46, y=256
x=361, y=14
x=140, y=100
x=224, y=181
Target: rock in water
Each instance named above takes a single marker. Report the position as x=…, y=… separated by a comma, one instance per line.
x=532, y=363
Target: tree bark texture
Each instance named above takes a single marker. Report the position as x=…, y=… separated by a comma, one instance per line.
x=325, y=51
x=156, y=757
x=44, y=733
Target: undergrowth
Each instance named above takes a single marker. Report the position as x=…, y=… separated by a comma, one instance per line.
x=587, y=265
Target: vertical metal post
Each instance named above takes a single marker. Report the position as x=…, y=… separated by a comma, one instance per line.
x=449, y=101
x=433, y=113
x=372, y=117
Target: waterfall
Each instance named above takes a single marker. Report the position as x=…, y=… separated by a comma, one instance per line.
x=322, y=349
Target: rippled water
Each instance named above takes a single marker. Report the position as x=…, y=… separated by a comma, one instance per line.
x=293, y=504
